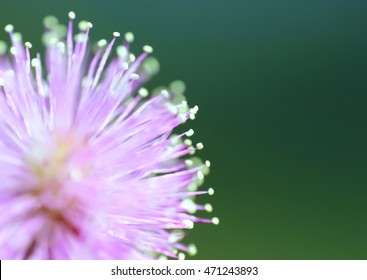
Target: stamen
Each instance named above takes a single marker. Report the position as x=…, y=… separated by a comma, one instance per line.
x=172, y=108
x=188, y=142
x=79, y=38
x=71, y=15
x=134, y=76
x=84, y=25
x=165, y=93
x=61, y=46
x=200, y=175
x=132, y=57
x=189, y=206
x=28, y=45
x=208, y=207
x=148, y=49
x=17, y=37
x=193, y=187
x=35, y=62
x=199, y=146
x=125, y=66
x=192, y=250
x=215, y=221
x=211, y=191
x=181, y=256
x=173, y=238
x=189, y=162
x=3, y=47
x=129, y=37
x=12, y=50
x=50, y=22
x=122, y=51
x=190, y=133
x=195, y=109
x=178, y=87
x=9, y=28
x=101, y=43
x=188, y=224
x=102, y=63
x=69, y=38
x=143, y=92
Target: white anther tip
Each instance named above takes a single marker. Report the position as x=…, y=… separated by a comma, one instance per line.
x=211, y=191
x=28, y=45
x=165, y=93
x=208, y=207
x=61, y=46
x=189, y=162
x=132, y=57
x=35, y=62
x=181, y=256
x=116, y=34
x=148, y=49
x=129, y=37
x=190, y=133
x=208, y=163
x=188, y=224
x=125, y=66
x=9, y=28
x=3, y=48
x=189, y=205
x=188, y=142
x=199, y=146
x=101, y=43
x=172, y=238
x=134, y=76
x=71, y=15
x=85, y=25
x=215, y=221
x=192, y=250
x=12, y=50
x=143, y=92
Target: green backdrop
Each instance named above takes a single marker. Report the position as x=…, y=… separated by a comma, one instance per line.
x=281, y=87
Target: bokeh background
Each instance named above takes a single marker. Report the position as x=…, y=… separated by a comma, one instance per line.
x=282, y=91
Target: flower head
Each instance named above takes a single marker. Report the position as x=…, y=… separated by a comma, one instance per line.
x=89, y=167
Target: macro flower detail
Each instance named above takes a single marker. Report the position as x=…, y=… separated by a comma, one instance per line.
x=89, y=165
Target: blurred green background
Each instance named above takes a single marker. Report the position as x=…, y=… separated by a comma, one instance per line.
x=282, y=91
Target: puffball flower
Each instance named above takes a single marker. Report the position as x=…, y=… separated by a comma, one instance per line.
x=89, y=166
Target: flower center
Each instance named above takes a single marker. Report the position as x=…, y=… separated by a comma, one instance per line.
x=59, y=165
x=59, y=158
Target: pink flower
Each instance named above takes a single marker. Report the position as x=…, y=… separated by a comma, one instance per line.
x=89, y=167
